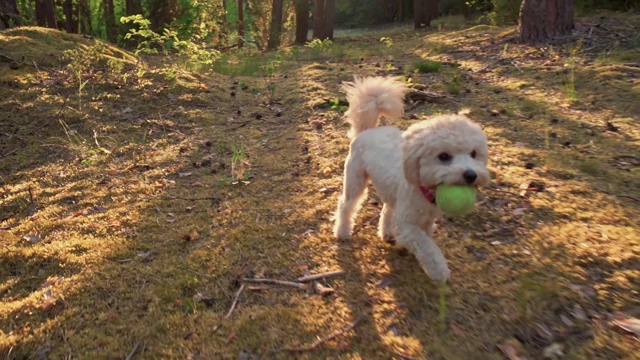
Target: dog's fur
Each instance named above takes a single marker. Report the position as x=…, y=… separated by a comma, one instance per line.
x=398, y=163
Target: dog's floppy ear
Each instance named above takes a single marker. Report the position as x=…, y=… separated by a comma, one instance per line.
x=411, y=152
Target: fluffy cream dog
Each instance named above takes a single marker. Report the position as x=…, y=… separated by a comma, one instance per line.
x=406, y=167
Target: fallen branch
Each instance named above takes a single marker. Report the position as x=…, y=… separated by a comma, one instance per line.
x=617, y=195
x=133, y=351
x=425, y=96
x=324, y=339
x=403, y=356
x=213, y=198
x=320, y=276
x=503, y=191
x=277, y=282
x=233, y=306
x=240, y=125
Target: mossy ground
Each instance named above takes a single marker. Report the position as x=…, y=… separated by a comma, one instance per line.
x=142, y=235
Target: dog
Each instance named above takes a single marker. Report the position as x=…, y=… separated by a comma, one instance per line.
x=405, y=167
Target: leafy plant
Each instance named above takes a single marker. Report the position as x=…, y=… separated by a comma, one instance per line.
x=338, y=105
x=454, y=86
x=320, y=45
x=387, y=41
x=427, y=66
x=82, y=63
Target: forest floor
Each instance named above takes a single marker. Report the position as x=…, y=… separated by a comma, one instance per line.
x=139, y=203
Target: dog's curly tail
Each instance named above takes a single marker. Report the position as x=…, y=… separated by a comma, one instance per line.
x=371, y=97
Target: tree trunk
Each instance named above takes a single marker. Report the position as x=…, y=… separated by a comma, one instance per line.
x=84, y=17
x=133, y=7
x=50, y=13
x=318, y=19
x=110, y=21
x=329, y=18
x=276, y=25
x=240, y=23
x=542, y=20
x=324, y=16
x=9, y=15
x=302, y=21
x=69, y=24
x=424, y=11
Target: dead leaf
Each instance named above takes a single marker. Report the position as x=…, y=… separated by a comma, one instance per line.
x=48, y=302
x=323, y=290
x=578, y=313
x=518, y=211
x=553, y=351
x=50, y=282
x=458, y=330
x=510, y=349
x=34, y=239
x=627, y=323
x=185, y=174
x=194, y=235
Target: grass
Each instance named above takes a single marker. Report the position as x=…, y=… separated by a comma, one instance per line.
x=141, y=248
x=427, y=66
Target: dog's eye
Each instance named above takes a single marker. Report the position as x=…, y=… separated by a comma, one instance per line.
x=444, y=157
x=473, y=154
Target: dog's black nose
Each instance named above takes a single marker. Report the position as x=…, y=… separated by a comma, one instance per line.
x=469, y=176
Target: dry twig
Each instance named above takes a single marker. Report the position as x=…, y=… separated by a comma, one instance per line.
x=320, y=276
x=277, y=282
x=233, y=307
x=321, y=341
x=133, y=351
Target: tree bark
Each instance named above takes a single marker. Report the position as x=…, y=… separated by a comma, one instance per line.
x=318, y=19
x=110, y=21
x=276, y=25
x=324, y=16
x=50, y=14
x=424, y=11
x=69, y=24
x=9, y=14
x=542, y=20
x=302, y=21
x=133, y=7
x=329, y=18
x=240, y=23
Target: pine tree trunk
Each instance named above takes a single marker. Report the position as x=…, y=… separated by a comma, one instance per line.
x=240, y=23
x=302, y=21
x=50, y=14
x=542, y=20
x=424, y=11
x=276, y=25
x=9, y=14
x=329, y=18
x=110, y=21
x=318, y=20
x=84, y=17
x=133, y=7
x=69, y=24
x=324, y=16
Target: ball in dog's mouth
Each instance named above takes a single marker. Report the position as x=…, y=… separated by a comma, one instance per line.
x=455, y=200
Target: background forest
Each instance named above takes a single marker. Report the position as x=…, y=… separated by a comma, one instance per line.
x=221, y=24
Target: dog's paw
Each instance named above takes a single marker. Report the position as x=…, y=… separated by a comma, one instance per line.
x=440, y=275
x=389, y=239
x=342, y=232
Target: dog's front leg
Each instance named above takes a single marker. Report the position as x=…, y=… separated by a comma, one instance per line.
x=425, y=250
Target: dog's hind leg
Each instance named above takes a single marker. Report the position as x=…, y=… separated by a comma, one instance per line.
x=385, y=227
x=353, y=194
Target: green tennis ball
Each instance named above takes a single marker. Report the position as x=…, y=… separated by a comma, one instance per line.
x=455, y=200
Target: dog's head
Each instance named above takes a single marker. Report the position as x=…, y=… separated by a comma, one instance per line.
x=448, y=149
